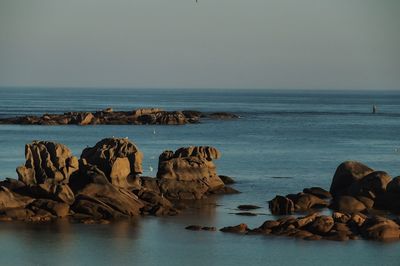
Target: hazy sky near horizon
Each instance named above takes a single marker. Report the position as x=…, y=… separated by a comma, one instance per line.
x=317, y=44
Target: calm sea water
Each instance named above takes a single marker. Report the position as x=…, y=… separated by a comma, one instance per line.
x=283, y=142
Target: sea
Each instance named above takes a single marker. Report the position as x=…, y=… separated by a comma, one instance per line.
x=284, y=141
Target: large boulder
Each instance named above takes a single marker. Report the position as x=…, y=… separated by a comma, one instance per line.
x=372, y=185
x=118, y=158
x=346, y=174
x=189, y=172
x=47, y=160
x=380, y=228
x=281, y=205
x=305, y=201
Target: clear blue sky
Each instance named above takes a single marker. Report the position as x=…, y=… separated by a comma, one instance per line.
x=318, y=44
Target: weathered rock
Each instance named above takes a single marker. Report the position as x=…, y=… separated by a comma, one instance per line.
x=346, y=174
x=108, y=116
x=117, y=158
x=270, y=224
x=319, y=192
x=239, y=229
x=339, y=217
x=321, y=225
x=82, y=119
x=19, y=214
x=106, y=201
x=156, y=204
x=304, y=201
x=47, y=160
x=58, y=192
x=58, y=209
x=348, y=204
x=189, y=173
x=304, y=221
x=372, y=185
x=13, y=184
x=11, y=200
x=281, y=205
x=380, y=228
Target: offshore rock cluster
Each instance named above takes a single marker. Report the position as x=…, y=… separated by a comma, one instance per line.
x=152, y=116
x=105, y=182
x=365, y=204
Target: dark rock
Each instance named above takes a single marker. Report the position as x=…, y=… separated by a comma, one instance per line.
x=58, y=209
x=222, y=115
x=372, y=185
x=248, y=207
x=227, y=180
x=281, y=205
x=11, y=200
x=380, y=228
x=346, y=174
x=321, y=225
x=193, y=227
x=19, y=214
x=348, y=204
x=304, y=201
x=224, y=191
x=208, y=228
x=58, y=192
x=339, y=217
x=105, y=201
x=246, y=213
x=394, y=185
x=319, y=192
x=239, y=229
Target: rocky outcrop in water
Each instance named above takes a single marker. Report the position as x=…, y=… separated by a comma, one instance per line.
x=152, y=116
x=105, y=183
x=355, y=188
x=337, y=227
x=188, y=173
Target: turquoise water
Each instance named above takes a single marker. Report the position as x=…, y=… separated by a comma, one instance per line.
x=299, y=136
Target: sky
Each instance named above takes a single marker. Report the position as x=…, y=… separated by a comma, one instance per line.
x=278, y=44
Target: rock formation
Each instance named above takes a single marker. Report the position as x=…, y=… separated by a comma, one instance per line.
x=119, y=159
x=337, y=227
x=188, y=173
x=108, y=116
x=105, y=183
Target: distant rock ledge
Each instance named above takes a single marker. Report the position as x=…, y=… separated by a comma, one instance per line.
x=151, y=116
